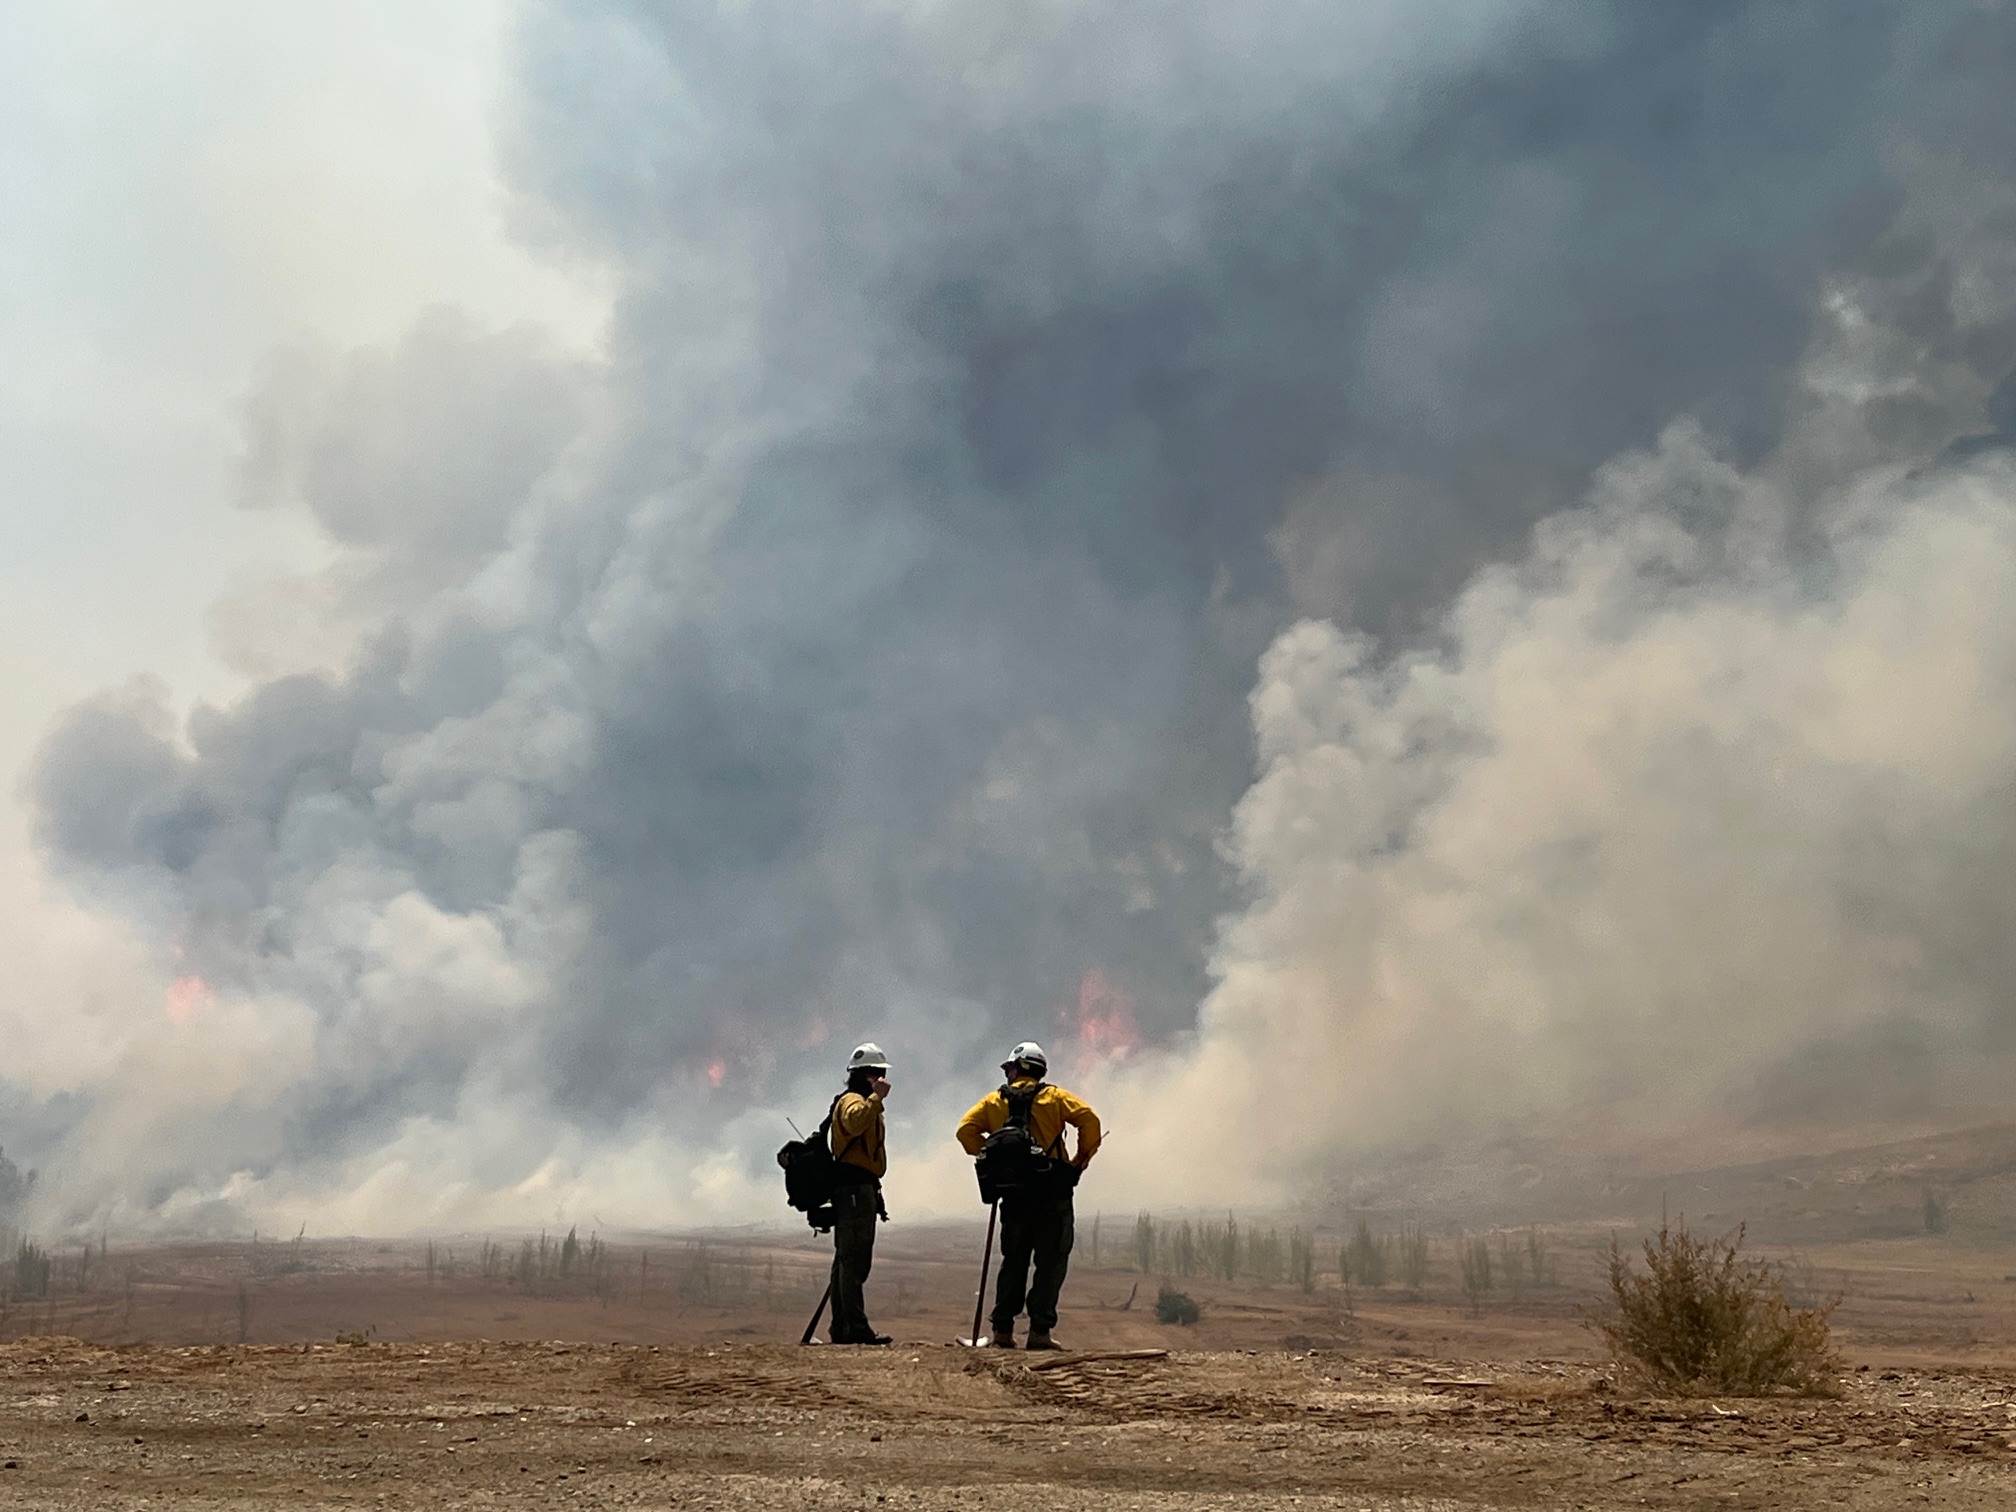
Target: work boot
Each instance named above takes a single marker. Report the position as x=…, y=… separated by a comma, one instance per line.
x=870, y=1338
x=1004, y=1338
x=1039, y=1338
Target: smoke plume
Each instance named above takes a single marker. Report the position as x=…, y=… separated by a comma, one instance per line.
x=1583, y=416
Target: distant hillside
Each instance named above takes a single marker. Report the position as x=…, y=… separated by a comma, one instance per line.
x=1874, y=1191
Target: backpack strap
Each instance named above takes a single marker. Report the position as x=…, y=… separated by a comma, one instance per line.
x=826, y=1129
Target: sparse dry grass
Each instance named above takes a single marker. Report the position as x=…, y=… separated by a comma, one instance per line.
x=1543, y=1390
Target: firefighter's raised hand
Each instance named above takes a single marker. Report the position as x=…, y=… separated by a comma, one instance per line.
x=880, y=1086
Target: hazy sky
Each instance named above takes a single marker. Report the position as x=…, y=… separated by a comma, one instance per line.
x=567, y=561
x=186, y=187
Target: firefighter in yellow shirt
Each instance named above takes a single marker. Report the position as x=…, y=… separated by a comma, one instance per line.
x=1037, y=1218
x=862, y=1156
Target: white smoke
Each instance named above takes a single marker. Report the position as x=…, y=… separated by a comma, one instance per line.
x=1705, y=806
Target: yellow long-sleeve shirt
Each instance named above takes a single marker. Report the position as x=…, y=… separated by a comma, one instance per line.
x=1050, y=1114
x=858, y=1135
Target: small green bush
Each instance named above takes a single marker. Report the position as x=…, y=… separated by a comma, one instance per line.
x=1173, y=1306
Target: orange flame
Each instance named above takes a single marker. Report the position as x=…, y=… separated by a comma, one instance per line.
x=717, y=1072
x=187, y=996
x=1103, y=1022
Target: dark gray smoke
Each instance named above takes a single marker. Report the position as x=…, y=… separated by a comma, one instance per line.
x=863, y=647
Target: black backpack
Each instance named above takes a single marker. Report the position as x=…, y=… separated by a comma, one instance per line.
x=811, y=1174
x=1010, y=1163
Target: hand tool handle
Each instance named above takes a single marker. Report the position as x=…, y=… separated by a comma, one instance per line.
x=986, y=1260
x=813, y=1327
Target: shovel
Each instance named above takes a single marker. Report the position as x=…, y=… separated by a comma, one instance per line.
x=979, y=1340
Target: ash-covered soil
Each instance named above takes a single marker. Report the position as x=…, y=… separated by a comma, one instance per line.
x=934, y=1426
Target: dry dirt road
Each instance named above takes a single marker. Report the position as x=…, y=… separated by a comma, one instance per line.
x=932, y=1426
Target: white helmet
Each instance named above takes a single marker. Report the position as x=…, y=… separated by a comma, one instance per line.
x=1028, y=1053
x=868, y=1057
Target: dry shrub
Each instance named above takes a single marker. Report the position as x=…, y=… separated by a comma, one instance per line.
x=1704, y=1321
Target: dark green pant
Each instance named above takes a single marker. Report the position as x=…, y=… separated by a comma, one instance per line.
x=854, y=1209
x=1035, y=1229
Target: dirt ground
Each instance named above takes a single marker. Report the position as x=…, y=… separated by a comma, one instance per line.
x=669, y=1377
x=929, y=1425
x=664, y=1372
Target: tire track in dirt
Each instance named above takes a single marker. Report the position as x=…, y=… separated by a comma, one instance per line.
x=1118, y=1390
x=692, y=1380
